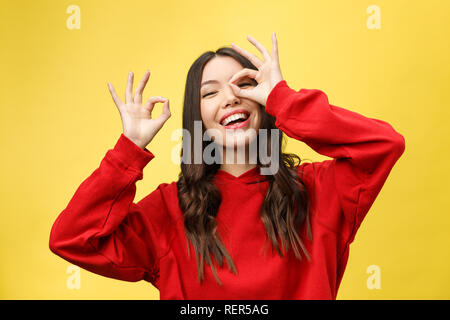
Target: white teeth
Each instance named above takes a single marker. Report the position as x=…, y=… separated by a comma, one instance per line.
x=234, y=117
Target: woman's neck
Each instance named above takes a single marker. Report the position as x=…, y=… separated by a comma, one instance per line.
x=237, y=162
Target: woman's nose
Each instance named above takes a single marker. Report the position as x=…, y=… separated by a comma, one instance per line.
x=231, y=98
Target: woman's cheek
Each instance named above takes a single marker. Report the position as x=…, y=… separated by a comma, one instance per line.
x=208, y=116
x=204, y=112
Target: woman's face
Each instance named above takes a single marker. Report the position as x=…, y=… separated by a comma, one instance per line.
x=218, y=101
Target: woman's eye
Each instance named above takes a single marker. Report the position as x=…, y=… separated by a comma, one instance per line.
x=205, y=95
x=240, y=85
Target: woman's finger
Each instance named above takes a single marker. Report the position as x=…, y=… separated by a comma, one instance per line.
x=244, y=73
x=253, y=59
x=129, y=89
x=260, y=47
x=115, y=97
x=150, y=104
x=165, y=112
x=244, y=93
x=140, y=88
x=275, y=47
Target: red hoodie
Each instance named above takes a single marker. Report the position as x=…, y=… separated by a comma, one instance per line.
x=102, y=230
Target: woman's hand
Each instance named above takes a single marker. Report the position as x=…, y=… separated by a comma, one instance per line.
x=267, y=75
x=137, y=122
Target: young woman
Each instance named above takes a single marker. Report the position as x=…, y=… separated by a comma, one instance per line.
x=229, y=212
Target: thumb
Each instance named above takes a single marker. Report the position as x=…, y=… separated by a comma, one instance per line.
x=244, y=93
x=165, y=114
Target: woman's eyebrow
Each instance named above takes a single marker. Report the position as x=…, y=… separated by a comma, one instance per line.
x=207, y=82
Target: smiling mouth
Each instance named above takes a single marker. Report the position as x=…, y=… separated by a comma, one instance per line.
x=235, y=117
x=239, y=123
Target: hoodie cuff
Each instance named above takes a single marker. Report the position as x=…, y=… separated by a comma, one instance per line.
x=278, y=97
x=131, y=154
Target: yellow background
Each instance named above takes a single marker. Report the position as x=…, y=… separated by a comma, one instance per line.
x=58, y=120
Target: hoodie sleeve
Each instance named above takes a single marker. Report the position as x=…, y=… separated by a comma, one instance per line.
x=102, y=230
x=364, y=151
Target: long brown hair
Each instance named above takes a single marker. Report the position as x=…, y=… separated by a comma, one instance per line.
x=285, y=206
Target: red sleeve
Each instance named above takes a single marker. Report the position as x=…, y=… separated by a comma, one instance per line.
x=102, y=230
x=364, y=151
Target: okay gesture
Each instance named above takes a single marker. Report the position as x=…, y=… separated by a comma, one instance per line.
x=267, y=75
